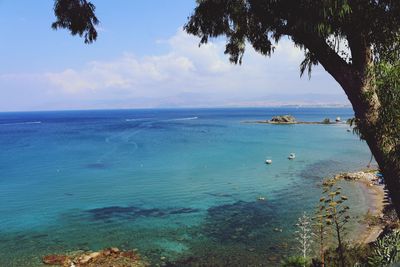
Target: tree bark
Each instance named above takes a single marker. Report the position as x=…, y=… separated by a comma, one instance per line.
x=366, y=107
x=357, y=81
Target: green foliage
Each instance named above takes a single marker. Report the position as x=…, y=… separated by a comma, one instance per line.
x=309, y=61
x=326, y=121
x=354, y=254
x=78, y=16
x=336, y=214
x=306, y=22
x=386, y=250
x=321, y=229
x=296, y=261
x=388, y=89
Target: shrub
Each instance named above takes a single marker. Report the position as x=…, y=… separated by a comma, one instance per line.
x=386, y=250
x=296, y=261
x=326, y=121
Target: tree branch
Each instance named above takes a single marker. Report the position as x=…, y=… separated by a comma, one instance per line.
x=340, y=70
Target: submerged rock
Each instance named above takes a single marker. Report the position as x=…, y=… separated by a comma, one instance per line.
x=62, y=260
x=238, y=222
x=107, y=257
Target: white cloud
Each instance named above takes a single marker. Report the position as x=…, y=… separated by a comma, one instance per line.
x=186, y=75
x=126, y=72
x=185, y=67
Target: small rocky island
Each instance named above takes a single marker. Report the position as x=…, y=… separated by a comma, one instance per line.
x=283, y=119
x=289, y=119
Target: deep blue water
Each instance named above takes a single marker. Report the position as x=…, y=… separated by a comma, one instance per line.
x=170, y=182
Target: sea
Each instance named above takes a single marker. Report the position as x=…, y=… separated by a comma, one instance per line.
x=180, y=186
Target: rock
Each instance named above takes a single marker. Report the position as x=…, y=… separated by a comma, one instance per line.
x=114, y=250
x=129, y=254
x=56, y=259
x=94, y=254
x=104, y=258
x=106, y=252
x=283, y=119
x=356, y=176
x=84, y=259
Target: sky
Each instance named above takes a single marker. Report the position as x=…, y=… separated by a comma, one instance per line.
x=142, y=59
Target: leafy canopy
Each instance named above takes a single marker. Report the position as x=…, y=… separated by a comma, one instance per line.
x=77, y=16
x=310, y=24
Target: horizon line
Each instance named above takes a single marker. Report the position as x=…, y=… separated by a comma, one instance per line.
x=186, y=107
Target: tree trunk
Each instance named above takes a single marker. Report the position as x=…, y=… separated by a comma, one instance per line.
x=366, y=106
x=357, y=81
x=321, y=248
x=340, y=245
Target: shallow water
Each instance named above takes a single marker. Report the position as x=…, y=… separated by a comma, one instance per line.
x=176, y=183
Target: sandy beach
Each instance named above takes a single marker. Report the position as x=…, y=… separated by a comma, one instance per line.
x=375, y=197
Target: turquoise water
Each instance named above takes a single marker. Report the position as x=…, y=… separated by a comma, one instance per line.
x=177, y=183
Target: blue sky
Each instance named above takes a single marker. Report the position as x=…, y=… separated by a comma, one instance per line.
x=141, y=59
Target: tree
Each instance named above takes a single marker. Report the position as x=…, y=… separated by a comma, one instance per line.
x=78, y=17
x=351, y=39
x=336, y=214
x=321, y=231
x=356, y=41
x=304, y=235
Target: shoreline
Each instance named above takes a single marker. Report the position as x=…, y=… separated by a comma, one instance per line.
x=363, y=233
x=374, y=194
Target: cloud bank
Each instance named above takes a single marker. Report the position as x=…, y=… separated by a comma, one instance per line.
x=184, y=76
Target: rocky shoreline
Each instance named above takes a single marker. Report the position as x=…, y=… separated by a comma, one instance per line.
x=107, y=257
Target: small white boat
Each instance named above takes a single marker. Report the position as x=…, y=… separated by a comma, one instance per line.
x=261, y=198
x=268, y=161
x=338, y=119
x=292, y=156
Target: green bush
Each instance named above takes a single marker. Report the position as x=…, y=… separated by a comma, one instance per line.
x=296, y=261
x=386, y=250
x=326, y=121
x=355, y=255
